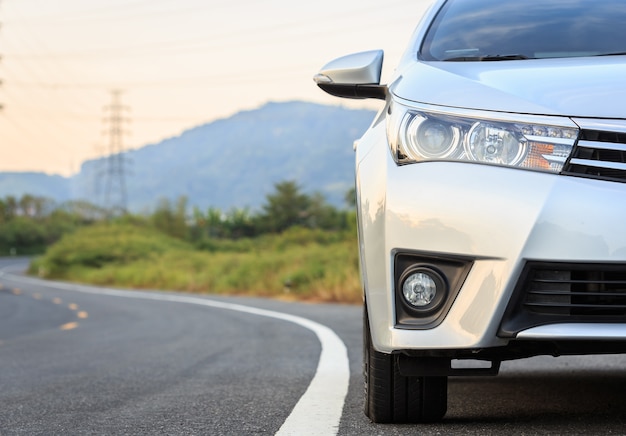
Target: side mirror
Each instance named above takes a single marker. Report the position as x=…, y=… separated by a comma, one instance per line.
x=354, y=76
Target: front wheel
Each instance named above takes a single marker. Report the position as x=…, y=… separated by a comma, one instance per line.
x=392, y=397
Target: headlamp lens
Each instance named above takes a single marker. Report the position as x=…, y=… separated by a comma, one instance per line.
x=494, y=144
x=419, y=135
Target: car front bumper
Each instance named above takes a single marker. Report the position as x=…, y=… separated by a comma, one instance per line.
x=500, y=218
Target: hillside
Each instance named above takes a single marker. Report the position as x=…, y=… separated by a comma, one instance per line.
x=233, y=162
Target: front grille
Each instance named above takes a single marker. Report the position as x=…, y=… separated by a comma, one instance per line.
x=599, y=154
x=584, y=291
x=560, y=292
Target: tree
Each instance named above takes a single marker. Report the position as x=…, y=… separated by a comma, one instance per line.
x=215, y=223
x=286, y=207
x=23, y=235
x=350, y=198
x=171, y=219
x=4, y=214
x=10, y=207
x=323, y=215
x=240, y=223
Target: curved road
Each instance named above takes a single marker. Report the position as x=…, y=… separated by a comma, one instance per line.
x=83, y=360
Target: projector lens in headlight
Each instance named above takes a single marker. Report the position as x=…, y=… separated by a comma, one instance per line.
x=431, y=138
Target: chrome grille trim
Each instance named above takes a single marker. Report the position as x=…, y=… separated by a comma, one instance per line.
x=602, y=145
x=598, y=164
x=601, y=125
x=575, y=331
x=600, y=152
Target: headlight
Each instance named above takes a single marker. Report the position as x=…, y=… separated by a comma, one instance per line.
x=421, y=135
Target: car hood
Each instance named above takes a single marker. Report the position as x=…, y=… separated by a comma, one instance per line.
x=575, y=87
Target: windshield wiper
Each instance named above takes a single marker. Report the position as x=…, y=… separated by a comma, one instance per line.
x=487, y=58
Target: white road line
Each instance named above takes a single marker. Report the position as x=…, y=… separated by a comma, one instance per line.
x=319, y=410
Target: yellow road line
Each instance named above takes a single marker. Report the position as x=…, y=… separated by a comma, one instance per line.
x=37, y=296
x=69, y=326
x=73, y=306
x=82, y=314
x=16, y=291
x=57, y=301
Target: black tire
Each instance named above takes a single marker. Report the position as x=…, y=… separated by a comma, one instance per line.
x=392, y=398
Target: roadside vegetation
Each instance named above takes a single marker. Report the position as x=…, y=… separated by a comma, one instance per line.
x=296, y=247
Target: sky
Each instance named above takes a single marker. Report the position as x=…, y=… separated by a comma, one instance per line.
x=174, y=64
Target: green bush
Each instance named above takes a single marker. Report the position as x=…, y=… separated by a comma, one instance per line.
x=300, y=263
x=103, y=245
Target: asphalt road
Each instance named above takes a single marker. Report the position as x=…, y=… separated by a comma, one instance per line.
x=77, y=361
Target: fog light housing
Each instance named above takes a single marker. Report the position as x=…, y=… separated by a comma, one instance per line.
x=423, y=289
x=420, y=270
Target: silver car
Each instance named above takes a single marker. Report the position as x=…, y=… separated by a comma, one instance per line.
x=491, y=192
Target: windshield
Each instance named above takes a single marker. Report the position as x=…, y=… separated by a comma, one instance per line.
x=478, y=30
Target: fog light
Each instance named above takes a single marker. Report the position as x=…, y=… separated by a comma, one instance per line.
x=423, y=288
x=419, y=289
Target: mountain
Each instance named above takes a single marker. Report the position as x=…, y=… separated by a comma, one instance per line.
x=40, y=184
x=232, y=162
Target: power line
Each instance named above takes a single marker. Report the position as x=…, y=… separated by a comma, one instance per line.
x=99, y=17
x=127, y=5
x=214, y=42
x=51, y=86
x=211, y=80
x=57, y=132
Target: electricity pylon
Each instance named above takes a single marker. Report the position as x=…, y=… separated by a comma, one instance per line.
x=115, y=197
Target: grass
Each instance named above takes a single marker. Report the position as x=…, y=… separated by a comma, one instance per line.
x=300, y=264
